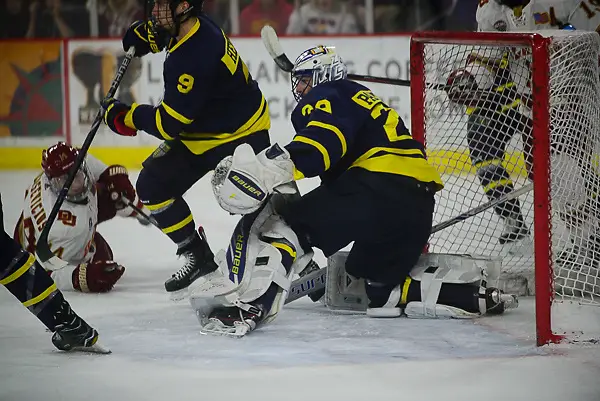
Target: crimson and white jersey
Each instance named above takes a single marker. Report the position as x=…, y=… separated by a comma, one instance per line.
x=584, y=15
x=491, y=16
x=71, y=235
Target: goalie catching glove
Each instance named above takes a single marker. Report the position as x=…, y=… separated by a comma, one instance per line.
x=242, y=182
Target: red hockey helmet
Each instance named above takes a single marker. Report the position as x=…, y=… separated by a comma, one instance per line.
x=57, y=161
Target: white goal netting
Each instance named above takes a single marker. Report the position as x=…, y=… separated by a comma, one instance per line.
x=484, y=144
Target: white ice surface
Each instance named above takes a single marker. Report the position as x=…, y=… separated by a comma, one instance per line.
x=308, y=353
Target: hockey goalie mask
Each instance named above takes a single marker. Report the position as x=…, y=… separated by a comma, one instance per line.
x=167, y=15
x=57, y=161
x=314, y=67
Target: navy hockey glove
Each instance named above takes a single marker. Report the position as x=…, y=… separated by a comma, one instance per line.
x=117, y=116
x=140, y=36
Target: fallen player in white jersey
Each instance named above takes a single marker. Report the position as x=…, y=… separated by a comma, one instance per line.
x=98, y=193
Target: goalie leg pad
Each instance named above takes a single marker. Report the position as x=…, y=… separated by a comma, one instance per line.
x=440, y=285
x=255, y=273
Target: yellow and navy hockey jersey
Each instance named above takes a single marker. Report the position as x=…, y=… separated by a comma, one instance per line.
x=341, y=125
x=209, y=96
x=503, y=95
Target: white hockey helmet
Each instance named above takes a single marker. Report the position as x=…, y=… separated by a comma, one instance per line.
x=321, y=64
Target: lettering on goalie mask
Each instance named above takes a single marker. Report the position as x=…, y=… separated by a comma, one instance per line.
x=315, y=66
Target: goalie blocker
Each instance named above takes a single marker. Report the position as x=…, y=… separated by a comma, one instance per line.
x=440, y=285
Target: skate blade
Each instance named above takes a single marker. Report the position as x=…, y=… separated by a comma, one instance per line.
x=217, y=328
x=178, y=295
x=97, y=348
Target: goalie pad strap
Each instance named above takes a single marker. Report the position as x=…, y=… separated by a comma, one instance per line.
x=431, y=284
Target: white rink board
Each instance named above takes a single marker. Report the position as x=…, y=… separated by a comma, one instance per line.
x=378, y=56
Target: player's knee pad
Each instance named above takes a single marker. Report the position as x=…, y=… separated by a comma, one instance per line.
x=150, y=187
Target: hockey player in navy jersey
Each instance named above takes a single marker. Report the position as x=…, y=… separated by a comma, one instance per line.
x=29, y=282
x=210, y=105
x=377, y=190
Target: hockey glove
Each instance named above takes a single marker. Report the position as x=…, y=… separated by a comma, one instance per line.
x=116, y=181
x=142, y=37
x=99, y=276
x=461, y=88
x=242, y=182
x=116, y=115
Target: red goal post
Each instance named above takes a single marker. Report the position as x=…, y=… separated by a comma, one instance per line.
x=532, y=112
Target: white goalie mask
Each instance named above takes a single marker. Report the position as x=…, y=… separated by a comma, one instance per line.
x=315, y=66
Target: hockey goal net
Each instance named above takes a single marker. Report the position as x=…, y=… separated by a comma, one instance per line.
x=498, y=111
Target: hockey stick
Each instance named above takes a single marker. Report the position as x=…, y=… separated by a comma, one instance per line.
x=308, y=284
x=43, y=252
x=482, y=208
x=139, y=211
x=315, y=280
x=271, y=42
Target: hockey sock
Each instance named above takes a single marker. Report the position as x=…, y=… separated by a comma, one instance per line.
x=175, y=219
x=496, y=182
x=32, y=286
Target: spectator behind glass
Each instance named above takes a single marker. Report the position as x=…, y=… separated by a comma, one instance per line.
x=262, y=12
x=386, y=14
x=49, y=20
x=14, y=19
x=117, y=15
x=218, y=11
x=322, y=17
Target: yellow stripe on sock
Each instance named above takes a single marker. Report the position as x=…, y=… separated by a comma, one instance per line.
x=19, y=272
x=40, y=297
x=179, y=225
x=160, y=205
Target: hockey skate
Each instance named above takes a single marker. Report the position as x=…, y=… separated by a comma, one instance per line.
x=231, y=321
x=199, y=262
x=72, y=333
x=515, y=229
